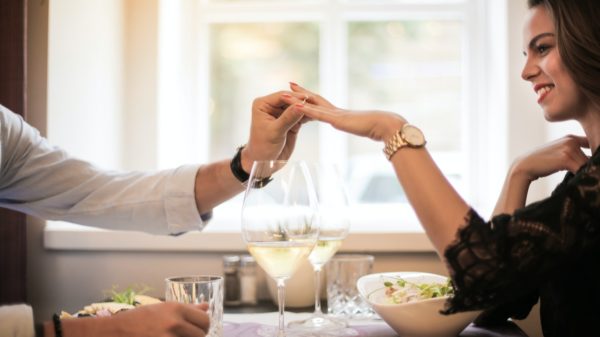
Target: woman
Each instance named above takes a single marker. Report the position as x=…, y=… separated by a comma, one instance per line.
x=549, y=249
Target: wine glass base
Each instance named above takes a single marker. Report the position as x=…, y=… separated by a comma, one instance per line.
x=318, y=323
x=273, y=331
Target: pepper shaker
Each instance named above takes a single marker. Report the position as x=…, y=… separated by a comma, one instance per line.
x=231, y=265
x=247, y=274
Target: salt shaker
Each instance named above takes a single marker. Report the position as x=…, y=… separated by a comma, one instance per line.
x=231, y=266
x=247, y=274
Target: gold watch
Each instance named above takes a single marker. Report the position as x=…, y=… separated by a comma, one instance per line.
x=408, y=136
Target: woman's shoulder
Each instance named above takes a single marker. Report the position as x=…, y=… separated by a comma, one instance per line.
x=588, y=173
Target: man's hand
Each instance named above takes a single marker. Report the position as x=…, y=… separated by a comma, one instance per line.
x=168, y=319
x=274, y=129
x=165, y=319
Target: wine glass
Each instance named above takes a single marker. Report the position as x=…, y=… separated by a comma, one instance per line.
x=334, y=226
x=279, y=222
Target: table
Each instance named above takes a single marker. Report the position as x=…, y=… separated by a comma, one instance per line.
x=245, y=321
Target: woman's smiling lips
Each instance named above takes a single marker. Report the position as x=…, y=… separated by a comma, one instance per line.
x=542, y=90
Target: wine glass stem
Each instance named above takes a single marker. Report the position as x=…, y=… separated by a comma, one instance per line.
x=281, y=300
x=318, y=310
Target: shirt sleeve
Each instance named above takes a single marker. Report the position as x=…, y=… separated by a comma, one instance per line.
x=16, y=321
x=42, y=180
x=510, y=256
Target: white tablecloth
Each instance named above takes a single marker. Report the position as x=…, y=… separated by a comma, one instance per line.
x=248, y=325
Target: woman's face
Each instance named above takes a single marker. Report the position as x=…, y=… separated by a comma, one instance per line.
x=557, y=93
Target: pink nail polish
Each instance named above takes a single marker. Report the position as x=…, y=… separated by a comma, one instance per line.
x=294, y=84
x=299, y=105
x=286, y=95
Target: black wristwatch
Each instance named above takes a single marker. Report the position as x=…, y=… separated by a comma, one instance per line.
x=243, y=176
x=236, y=166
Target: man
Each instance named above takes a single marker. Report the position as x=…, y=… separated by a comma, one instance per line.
x=41, y=180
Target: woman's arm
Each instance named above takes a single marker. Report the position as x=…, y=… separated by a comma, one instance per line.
x=438, y=206
x=440, y=209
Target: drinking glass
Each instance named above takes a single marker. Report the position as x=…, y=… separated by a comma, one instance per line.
x=334, y=226
x=279, y=222
x=197, y=289
x=343, y=298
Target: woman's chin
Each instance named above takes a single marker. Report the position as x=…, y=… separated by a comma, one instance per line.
x=556, y=116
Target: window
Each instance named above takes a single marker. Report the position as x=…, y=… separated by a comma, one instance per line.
x=410, y=57
x=178, y=79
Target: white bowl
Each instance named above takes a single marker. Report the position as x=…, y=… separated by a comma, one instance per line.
x=413, y=319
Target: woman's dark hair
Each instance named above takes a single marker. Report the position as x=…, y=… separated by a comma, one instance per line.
x=577, y=25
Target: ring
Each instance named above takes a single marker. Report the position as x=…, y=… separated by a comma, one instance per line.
x=305, y=99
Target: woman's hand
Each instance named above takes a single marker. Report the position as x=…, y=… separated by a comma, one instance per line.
x=562, y=154
x=310, y=96
x=377, y=125
x=168, y=319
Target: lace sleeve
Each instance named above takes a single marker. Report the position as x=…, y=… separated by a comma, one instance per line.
x=507, y=258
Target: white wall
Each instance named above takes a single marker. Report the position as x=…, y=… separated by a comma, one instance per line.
x=91, y=109
x=140, y=133
x=69, y=279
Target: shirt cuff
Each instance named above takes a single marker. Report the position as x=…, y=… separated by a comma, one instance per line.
x=180, y=202
x=16, y=320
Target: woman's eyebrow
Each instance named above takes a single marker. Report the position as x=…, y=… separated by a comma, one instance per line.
x=533, y=41
x=538, y=37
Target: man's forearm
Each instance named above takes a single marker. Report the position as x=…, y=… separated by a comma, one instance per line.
x=86, y=326
x=215, y=183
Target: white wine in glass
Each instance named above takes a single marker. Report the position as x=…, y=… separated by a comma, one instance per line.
x=280, y=259
x=325, y=248
x=334, y=226
x=279, y=222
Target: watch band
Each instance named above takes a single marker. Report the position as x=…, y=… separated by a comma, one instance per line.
x=394, y=144
x=236, y=166
x=243, y=176
x=408, y=136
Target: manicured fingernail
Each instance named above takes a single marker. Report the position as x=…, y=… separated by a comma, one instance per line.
x=294, y=84
x=299, y=105
x=286, y=95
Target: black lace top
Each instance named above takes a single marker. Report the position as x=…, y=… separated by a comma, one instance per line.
x=548, y=250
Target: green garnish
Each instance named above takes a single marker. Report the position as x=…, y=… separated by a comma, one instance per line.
x=127, y=296
x=402, y=291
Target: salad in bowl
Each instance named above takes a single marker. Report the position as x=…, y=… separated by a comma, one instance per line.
x=410, y=303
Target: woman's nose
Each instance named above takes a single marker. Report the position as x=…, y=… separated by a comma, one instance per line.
x=530, y=69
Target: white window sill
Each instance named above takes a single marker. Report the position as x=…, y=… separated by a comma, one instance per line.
x=66, y=236
x=372, y=231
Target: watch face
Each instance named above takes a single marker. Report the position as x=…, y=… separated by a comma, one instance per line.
x=412, y=135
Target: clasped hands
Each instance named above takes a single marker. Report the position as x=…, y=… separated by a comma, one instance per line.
x=277, y=119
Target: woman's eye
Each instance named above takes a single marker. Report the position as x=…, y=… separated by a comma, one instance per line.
x=542, y=49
